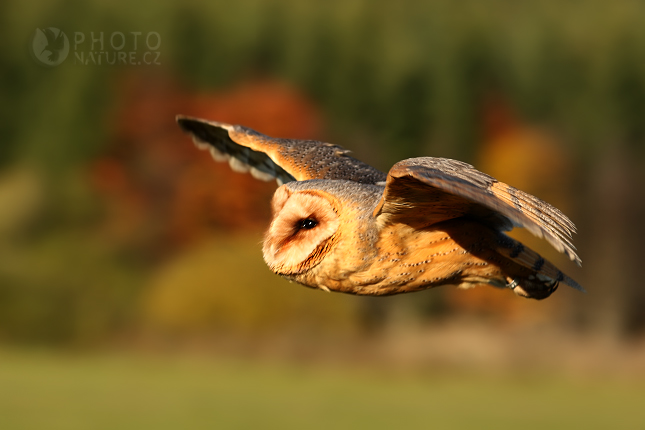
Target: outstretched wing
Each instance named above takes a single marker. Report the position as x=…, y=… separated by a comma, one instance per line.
x=267, y=158
x=424, y=191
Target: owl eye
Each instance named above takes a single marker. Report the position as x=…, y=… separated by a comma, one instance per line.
x=307, y=223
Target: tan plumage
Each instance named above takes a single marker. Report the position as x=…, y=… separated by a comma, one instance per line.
x=342, y=225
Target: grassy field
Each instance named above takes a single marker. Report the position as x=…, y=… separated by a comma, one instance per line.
x=47, y=391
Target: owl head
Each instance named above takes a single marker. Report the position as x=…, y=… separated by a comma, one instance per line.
x=308, y=219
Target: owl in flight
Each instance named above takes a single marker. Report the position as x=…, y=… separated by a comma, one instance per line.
x=342, y=225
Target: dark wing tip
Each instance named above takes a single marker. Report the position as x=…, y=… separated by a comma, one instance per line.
x=573, y=284
x=191, y=124
x=216, y=138
x=183, y=120
x=188, y=124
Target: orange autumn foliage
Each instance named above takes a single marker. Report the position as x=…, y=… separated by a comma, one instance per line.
x=158, y=190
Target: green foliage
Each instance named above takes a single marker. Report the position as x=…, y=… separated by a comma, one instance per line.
x=60, y=281
x=223, y=285
x=408, y=72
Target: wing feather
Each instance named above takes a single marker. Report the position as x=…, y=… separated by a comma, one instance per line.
x=285, y=160
x=429, y=190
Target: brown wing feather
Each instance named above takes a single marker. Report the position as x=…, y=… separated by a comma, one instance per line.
x=424, y=191
x=284, y=159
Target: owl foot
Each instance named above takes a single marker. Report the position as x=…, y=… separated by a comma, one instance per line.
x=533, y=288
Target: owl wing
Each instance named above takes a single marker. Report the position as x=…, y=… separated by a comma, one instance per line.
x=267, y=158
x=424, y=191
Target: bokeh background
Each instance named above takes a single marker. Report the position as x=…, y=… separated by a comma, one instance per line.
x=132, y=288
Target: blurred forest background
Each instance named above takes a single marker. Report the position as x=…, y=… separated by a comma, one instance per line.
x=116, y=232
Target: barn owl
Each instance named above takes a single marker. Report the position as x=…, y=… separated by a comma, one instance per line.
x=342, y=225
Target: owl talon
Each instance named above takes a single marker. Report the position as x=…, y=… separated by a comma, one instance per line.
x=537, y=291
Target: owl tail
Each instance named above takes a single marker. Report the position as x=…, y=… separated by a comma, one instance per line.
x=533, y=276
